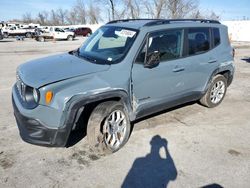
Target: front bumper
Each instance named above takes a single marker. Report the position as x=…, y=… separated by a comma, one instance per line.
x=35, y=132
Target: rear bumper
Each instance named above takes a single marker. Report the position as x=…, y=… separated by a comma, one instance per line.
x=34, y=132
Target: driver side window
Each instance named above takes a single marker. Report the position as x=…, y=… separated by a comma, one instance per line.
x=167, y=43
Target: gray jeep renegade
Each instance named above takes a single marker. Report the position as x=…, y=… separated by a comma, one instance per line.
x=126, y=70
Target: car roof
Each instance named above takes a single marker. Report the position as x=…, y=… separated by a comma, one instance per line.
x=139, y=23
x=134, y=24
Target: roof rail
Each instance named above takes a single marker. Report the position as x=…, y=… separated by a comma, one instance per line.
x=129, y=20
x=168, y=21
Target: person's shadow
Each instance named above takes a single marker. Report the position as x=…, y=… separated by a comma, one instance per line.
x=152, y=170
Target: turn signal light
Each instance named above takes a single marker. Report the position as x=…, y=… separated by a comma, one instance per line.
x=48, y=97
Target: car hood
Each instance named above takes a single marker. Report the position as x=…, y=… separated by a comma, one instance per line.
x=55, y=68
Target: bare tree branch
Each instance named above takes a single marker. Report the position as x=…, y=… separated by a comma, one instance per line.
x=43, y=18
x=27, y=18
x=62, y=14
x=134, y=8
x=54, y=18
x=181, y=8
x=159, y=6
x=81, y=12
x=72, y=17
x=94, y=14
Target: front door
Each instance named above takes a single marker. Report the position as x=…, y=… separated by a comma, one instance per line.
x=164, y=83
x=59, y=33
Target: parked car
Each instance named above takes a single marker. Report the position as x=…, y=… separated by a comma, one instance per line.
x=15, y=31
x=83, y=31
x=127, y=70
x=1, y=34
x=55, y=33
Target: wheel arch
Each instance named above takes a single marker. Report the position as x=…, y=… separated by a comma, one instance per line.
x=78, y=104
x=227, y=73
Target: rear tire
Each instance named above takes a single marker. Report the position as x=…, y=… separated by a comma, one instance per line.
x=41, y=39
x=215, y=93
x=5, y=35
x=28, y=35
x=70, y=38
x=108, y=128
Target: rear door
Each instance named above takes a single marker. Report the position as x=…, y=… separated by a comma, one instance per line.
x=201, y=61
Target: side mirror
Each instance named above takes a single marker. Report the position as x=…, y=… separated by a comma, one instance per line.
x=152, y=60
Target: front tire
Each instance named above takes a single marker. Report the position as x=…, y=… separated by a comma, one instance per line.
x=215, y=93
x=108, y=128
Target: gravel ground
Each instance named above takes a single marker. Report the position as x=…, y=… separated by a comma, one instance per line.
x=190, y=146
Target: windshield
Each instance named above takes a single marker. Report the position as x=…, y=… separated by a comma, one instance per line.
x=109, y=44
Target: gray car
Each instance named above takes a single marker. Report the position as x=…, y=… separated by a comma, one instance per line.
x=126, y=70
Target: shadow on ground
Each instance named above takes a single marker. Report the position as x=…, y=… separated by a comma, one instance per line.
x=214, y=185
x=247, y=60
x=153, y=170
x=3, y=41
x=81, y=125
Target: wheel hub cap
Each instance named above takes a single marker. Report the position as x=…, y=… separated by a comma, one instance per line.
x=217, y=92
x=114, y=129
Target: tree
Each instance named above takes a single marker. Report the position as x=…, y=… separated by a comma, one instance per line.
x=81, y=12
x=27, y=18
x=197, y=15
x=110, y=8
x=93, y=14
x=42, y=18
x=54, y=18
x=181, y=8
x=62, y=14
x=154, y=8
x=112, y=5
x=72, y=17
x=134, y=8
x=210, y=15
x=213, y=16
x=159, y=6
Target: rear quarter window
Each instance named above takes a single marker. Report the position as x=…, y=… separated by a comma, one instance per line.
x=198, y=40
x=216, y=34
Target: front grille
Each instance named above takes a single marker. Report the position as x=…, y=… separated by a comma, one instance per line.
x=20, y=87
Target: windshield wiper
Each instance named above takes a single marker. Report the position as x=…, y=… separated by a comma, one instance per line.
x=88, y=58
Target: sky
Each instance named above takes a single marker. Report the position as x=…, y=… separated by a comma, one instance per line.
x=226, y=9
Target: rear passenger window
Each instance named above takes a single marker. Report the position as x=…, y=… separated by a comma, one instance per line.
x=216, y=34
x=198, y=40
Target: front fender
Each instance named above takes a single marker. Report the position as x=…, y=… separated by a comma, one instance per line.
x=78, y=101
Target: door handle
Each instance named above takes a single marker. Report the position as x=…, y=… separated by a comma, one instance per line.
x=178, y=69
x=212, y=61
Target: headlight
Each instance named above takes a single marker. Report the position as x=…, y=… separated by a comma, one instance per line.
x=35, y=95
x=31, y=97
